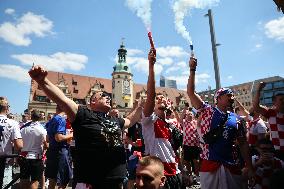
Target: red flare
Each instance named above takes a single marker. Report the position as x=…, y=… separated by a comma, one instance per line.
x=151, y=40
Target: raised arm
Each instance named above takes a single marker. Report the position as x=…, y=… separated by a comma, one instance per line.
x=196, y=101
x=53, y=92
x=242, y=109
x=256, y=106
x=150, y=101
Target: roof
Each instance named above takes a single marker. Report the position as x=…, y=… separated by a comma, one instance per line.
x=84, y=84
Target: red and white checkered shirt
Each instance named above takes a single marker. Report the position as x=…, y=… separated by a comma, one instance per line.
x=276, y=127
x=256, y=127
x=190, y=135
x=264, y=172
x=204, y=122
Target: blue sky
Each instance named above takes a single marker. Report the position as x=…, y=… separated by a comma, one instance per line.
x=82, y=37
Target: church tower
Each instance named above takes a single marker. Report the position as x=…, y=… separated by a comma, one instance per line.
x=122, y=83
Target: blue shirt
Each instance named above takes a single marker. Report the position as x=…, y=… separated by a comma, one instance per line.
x=57, y=125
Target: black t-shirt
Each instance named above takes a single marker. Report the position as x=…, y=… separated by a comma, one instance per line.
x=99, y=152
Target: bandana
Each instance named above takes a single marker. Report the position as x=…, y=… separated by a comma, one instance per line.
x=221, y=92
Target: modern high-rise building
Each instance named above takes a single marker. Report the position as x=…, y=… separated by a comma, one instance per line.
x=164, y=82
x=271, y=89
x=244, y=92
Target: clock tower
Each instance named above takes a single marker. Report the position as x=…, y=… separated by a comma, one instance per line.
x=122, y=83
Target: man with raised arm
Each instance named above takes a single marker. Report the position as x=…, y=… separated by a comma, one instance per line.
x=99, y=152
x=156, y=131
x=220, y=128
x=275, y=116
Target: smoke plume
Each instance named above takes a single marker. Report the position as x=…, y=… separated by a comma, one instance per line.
x=142, y=8
x=182, y=8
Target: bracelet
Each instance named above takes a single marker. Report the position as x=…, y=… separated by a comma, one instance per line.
x=192, y=70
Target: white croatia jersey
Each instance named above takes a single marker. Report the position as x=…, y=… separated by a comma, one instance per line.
x=9, y=131
x=33, y=135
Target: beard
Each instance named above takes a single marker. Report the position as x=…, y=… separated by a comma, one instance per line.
x=162, y=107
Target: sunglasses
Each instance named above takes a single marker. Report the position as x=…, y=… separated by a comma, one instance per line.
x=105, y=95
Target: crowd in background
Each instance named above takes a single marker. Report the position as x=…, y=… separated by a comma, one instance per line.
x=220, y=145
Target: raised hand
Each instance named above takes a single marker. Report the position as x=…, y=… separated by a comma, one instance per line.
x=152, y=56
x=192, y=63
x=37, y=73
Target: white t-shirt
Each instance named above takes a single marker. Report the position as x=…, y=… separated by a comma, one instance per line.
x=9, y=131
x=33, y=137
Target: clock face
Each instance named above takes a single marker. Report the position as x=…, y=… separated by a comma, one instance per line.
x=126, y=83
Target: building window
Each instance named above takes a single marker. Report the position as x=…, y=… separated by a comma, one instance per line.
x=125, y=68
x=118, y=81
x=267, y=101
x=279, y=84
x=267, y=94
x=118, y=76
x=112, y=95
x=126, y=77
x=126, y=105
x=268, y=86
x=75, y=90
x=41, y=98
x=74, y=82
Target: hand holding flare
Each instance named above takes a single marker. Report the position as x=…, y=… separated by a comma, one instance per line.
x=152, y=53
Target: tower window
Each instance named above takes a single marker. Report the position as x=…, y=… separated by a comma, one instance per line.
x=126, y=105
x=118, y=76
x=74, y=82
x=125, y=68
x=126, y=77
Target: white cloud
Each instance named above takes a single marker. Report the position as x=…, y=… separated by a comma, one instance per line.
x=165, y=61
x=140, y=64
x=135, y=60
x=275, y=29
x=230, y=77
x=9, y=11
x=171, y=51
x=259, y=45
x=133, y=52
x=14, y=72
x=182, y=64
x=176, y=66
x=19, y=33
x=172, y=69
x=55, y=62
x=202, y=78
x=183, y=79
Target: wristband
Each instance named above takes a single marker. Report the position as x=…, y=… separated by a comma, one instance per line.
x=192, y=70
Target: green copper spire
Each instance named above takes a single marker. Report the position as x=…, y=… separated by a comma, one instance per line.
x=121, y=65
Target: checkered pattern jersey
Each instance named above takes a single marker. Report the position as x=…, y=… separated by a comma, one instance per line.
x=255, y=127
x=190, y=135
x=264, y=172
x=204, y=122
x=276, y=127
